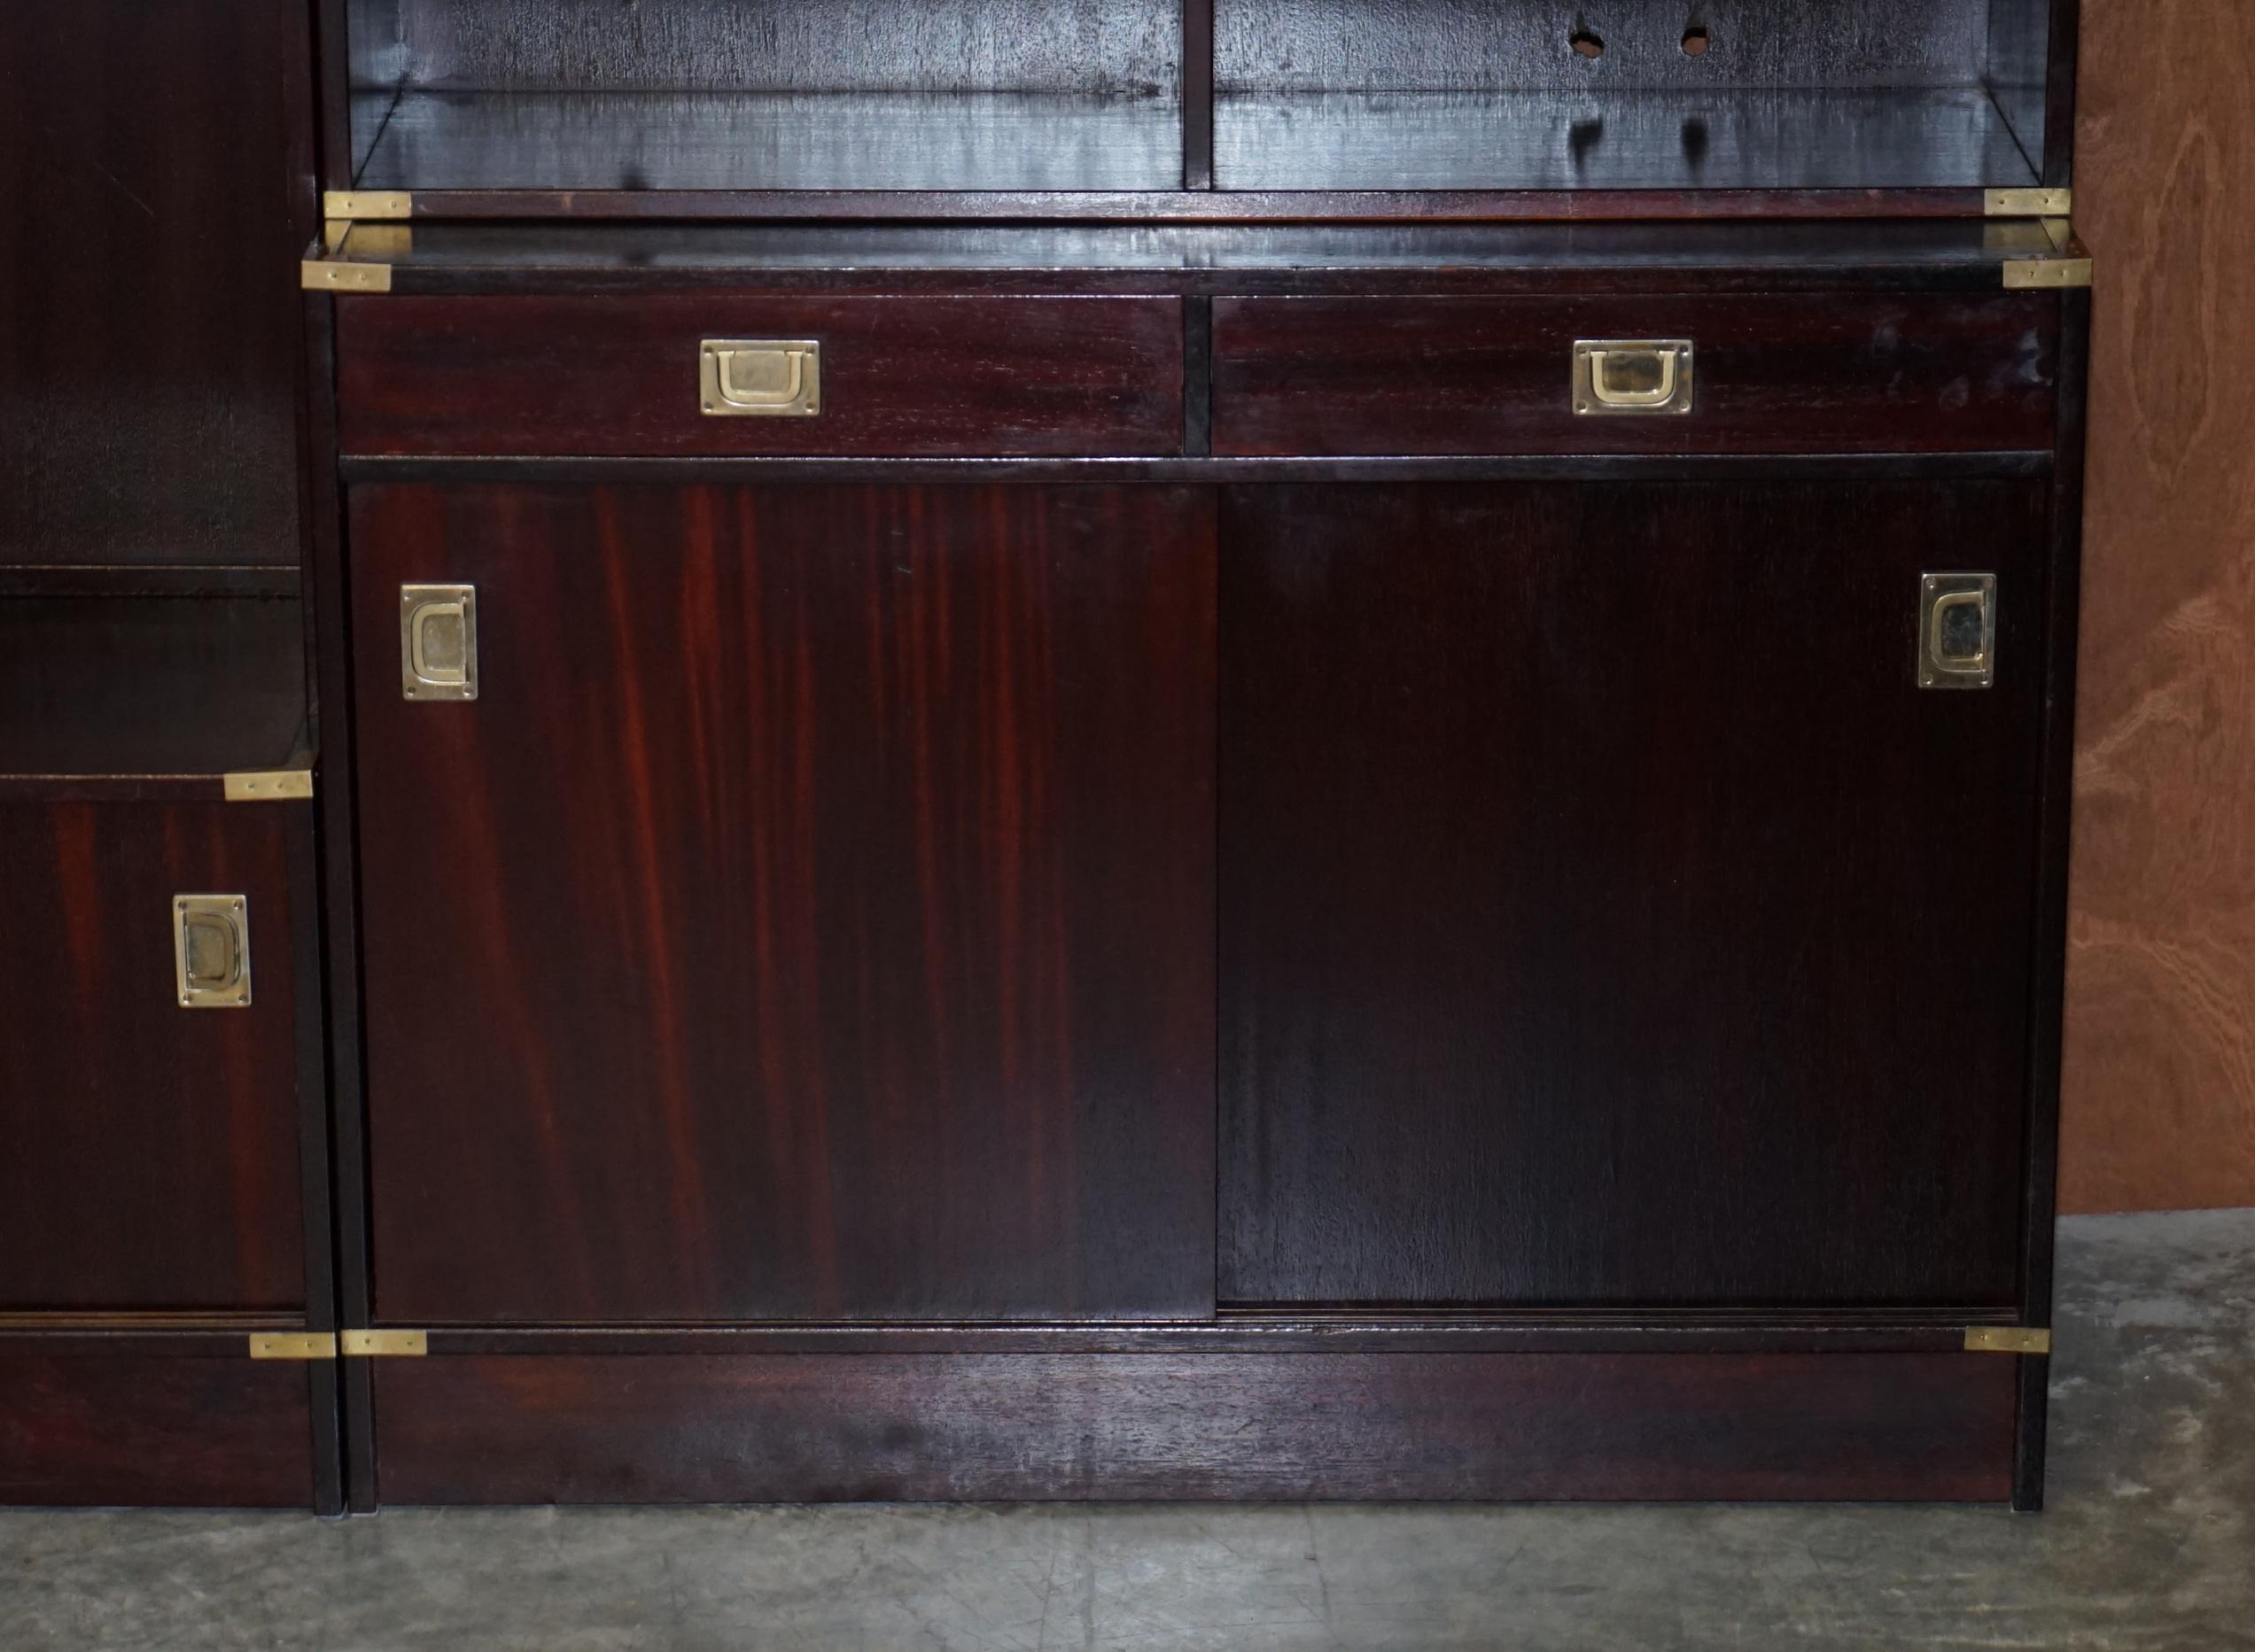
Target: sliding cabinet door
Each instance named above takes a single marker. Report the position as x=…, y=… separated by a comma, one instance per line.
x=1609, y=915
x=812, y=914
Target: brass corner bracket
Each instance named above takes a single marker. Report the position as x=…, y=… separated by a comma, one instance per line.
x=384, y=1344
x=367, y=203
x=2007, y=1339
x=349, y=258
x=2029, y=203
x=293, y=1344
x=269, y=786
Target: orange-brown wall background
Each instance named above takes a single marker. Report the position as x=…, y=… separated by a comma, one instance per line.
x=2160, y=1036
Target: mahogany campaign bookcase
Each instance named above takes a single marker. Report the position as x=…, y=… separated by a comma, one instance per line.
x=1120, y=749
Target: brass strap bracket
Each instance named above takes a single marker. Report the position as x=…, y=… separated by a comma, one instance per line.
x=2071, y=269
x=2007, y=1339
x=2029, y=203
x=384, y=1344
x=350, y=254
x=293, y=1344
x=376, y=205
x=269, y=786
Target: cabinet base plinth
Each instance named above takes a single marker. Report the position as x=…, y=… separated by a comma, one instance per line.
x=566, y=1428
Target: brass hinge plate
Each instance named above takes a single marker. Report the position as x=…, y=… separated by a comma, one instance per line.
x=2022, y=274
x=271, y=786
x=384, y=1344
x=2007, y=1339
x=293, y=1344
x=367, y=203
x=2030, y=203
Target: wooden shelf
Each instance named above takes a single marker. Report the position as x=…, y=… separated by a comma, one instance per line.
x=1919, y=138
x=736, y=141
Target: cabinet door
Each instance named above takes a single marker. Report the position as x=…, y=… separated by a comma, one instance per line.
x=812, y=914
x=149, y=1152
x=1608, y=917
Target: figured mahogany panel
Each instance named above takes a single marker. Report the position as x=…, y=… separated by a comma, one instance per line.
x=152, y=1160
x=900, y=375
x=688, y=1427
x=814, y=915
x=1606, y=916
x=1772, y=373
x=153, y=1431
x=155, y=173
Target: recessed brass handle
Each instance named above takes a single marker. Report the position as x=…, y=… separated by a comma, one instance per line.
x=1956, y=631
x=210, y=951
x=439, y=642
x=761, y=378
x=1627, y=376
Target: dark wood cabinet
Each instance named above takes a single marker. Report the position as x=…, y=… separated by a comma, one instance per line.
x=166, y=1249
x=1065, y=748
x=1608, y=917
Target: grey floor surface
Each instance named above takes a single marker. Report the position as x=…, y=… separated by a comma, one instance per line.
x=2149, y=1543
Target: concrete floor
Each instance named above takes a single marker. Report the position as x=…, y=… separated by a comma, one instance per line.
x=2150, y=1544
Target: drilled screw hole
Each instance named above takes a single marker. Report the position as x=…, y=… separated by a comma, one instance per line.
x=1696, y=42
x=1586, y=42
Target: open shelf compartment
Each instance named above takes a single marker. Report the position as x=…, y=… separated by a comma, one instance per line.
x=760, y=95
x=1674, y=95
x=1261, y=102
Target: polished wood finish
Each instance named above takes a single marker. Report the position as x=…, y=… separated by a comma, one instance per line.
x=1530, y=794
x=116, y=683
x=154, y=1151
x=156, y=192
x=899, y=375
x=1187, y=1426
x=2160, y=1059
x=1771, y=374
x=152, y=1430
x=814, y=917
x=1422, y=260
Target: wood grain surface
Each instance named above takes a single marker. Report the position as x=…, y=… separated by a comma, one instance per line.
x=2159, y=1102
x=148, y=1153
x=909, y=376
x=813, y=916
x=1578, y=946
x=155, y=1431
x=1816, y=373
x=148, y=348
x=692, y=1428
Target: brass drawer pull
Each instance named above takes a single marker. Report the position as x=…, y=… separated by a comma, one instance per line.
x=762, y=378
x=1956, y=631
x=210, y=951
x=1617, y=376
x=439, y=642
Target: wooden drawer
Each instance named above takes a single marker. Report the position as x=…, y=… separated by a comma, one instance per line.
x=899, y=376
x=1824, y=373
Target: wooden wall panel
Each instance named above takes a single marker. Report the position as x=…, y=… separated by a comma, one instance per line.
x=2160, y=1039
